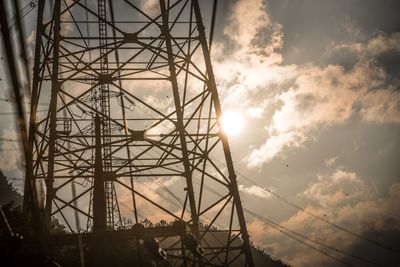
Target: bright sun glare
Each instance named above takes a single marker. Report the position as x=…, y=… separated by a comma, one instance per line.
x=231, y=123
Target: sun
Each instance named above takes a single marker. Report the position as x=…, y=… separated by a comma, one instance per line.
x=231, y=123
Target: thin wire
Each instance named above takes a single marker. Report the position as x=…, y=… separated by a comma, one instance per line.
x=22, y=13
x=16, y=113
x=215, y=3
x=321, y=218
x=292, y=234
x=9, y=139
x=213, y=18
x=11, y=101
x=298, y=239
x=278, y=226
x=279, y=197
x=22, y=50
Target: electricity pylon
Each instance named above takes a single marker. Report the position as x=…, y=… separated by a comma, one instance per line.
x=132, y=130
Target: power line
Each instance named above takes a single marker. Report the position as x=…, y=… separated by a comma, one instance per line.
x=288, y=234
x=9, y=140
x=292, y=234
x=22, y=13
x=11, y=101
x=15, y=113
x=282, y=230
x=279, y=227
x=213, y=19
x=341, y=228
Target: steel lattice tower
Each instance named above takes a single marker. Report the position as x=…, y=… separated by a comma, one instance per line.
x=132, y=129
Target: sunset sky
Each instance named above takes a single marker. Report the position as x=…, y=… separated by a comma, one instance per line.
x=315, y=87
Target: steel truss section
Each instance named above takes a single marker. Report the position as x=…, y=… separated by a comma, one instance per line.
x=134, y=111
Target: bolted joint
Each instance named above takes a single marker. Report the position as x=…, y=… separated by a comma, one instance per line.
x=57, y=29
x=172, y=68
x=105, y=79
x=200, y=27
x=231, y=189
x=110, y=176
x=245, y=236
x=57, y=86
x=138, y=135
x=232, y=186
x=35, y=126
x=51, y=192
x=232, y=177
x=130, y=37
x=165, y=31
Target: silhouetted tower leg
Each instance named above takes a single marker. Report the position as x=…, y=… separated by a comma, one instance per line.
x=99, y=194
x=55, y=87
x=113, y=213
x=29, y=182
x=211, y=84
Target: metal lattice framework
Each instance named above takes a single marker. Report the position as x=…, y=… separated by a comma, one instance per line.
x=132, y=130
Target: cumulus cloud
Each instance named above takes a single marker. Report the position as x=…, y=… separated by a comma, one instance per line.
x=273, y=146
x=339, y=188
x=296, y=101
x=324, y=96
x=255, y=190
x=151, y=7
x=343, y=198
x=251, y=27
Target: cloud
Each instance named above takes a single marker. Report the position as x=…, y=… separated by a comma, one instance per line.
x=296, y=101
x=338, y=188
x=381, y=106
x=151, y=7
x=11, y=157
x=325, y=96
x=331, y=161
x=352, y=28
x=375, y=46
x=255, y=190
x=156, y=191
x=251, y=27
x=66, y=28
x=343, y=198
x=273, y=146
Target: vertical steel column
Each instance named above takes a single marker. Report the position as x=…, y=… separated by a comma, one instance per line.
x=29, y=197
x=55, y=87
x=179, y=114
x=113, y=213
x=231, y=171
x=99, y=197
